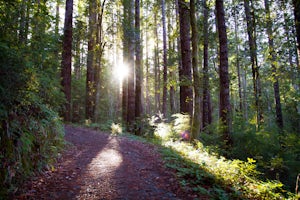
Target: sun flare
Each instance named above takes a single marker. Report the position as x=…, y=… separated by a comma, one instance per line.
x=121, y=71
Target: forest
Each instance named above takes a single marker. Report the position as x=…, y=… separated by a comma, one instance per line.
x=223, y=75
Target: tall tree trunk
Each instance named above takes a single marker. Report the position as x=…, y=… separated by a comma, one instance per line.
x=185, y=74
x=147, y=64
x=90, y=73
x=165, y=70
x=206, y=116
x=131, y=78
x=77, y=69
x=138, y=66
x=250, y=18
x=178, y=50
x=171, y=47
x=99, y=53
x=272, y=57
x=156, y=66
x=125, y=25
x=224, y=107
x=196, y=121
x=237, y=51
x=296, y=4
x=67, y=59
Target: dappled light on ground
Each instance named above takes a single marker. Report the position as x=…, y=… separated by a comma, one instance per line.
x=101, y=166
x=108, y=158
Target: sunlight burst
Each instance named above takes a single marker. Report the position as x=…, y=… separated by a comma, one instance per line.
x=121, y=71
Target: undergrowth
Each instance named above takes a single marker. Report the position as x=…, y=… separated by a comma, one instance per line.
x=218, y=177
x=200, y=168
x=30, y=140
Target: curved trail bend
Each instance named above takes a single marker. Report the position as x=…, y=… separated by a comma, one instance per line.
x=100, y=166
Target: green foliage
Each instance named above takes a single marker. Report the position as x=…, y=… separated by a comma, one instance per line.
x=218, y=177
x=170, y=131
x=31, y=133
x=116, y=128
x=182, y=122
x=201, y=169
x=31, y=138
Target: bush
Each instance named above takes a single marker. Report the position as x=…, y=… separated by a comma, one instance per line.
x=31, y=138
x=31, y=133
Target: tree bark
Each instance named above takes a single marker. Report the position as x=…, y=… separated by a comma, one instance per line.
x=131, y=77
x=125, y=25
x=100, y=43
x=90, y=73
x=138, y=67
x=296, y=4
x=178, y=52
x=206, y=116
x=172, y=74
x=156, y=67
x=185, y=74
x=196, y=121
x=67, y=59
x=165, y=67
x=224, y=106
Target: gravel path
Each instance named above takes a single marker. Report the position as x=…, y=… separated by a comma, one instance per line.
x=100, y=166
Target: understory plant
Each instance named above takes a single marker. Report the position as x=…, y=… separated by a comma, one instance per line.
x=201, y=169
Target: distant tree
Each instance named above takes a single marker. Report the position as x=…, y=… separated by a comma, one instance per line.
x=131, y=77
x=196, y=120
x=138, y=66
x=128, y=53
x=67, y=59
x=237, y=60
x=157, y=74
x=251, y=30
x=224, y=104
x=185, y=73
x=296, y=4
x=125, y=59
x=99, y=51
x=165, y=70
x=272, y=58
x=90, y=71
x=206, y=111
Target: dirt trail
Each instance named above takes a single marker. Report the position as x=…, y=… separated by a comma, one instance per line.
x=101, y=166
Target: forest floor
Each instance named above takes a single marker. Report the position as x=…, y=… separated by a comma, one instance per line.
x=98, y=165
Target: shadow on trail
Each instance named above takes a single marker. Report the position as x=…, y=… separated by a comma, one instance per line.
x=102, y=166
x=68, y=181
x=111, y=167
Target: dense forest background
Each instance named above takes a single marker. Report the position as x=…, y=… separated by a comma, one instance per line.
x=231, y=68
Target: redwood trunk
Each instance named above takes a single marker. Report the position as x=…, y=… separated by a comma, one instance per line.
x=224, y=107
x=185, y=74
x=165, y=70
x=296, y=4
x=131, y=78
x=67, y=59
x=206, y=100
x=196, y=123
x=138, y=67
x=90, y=73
